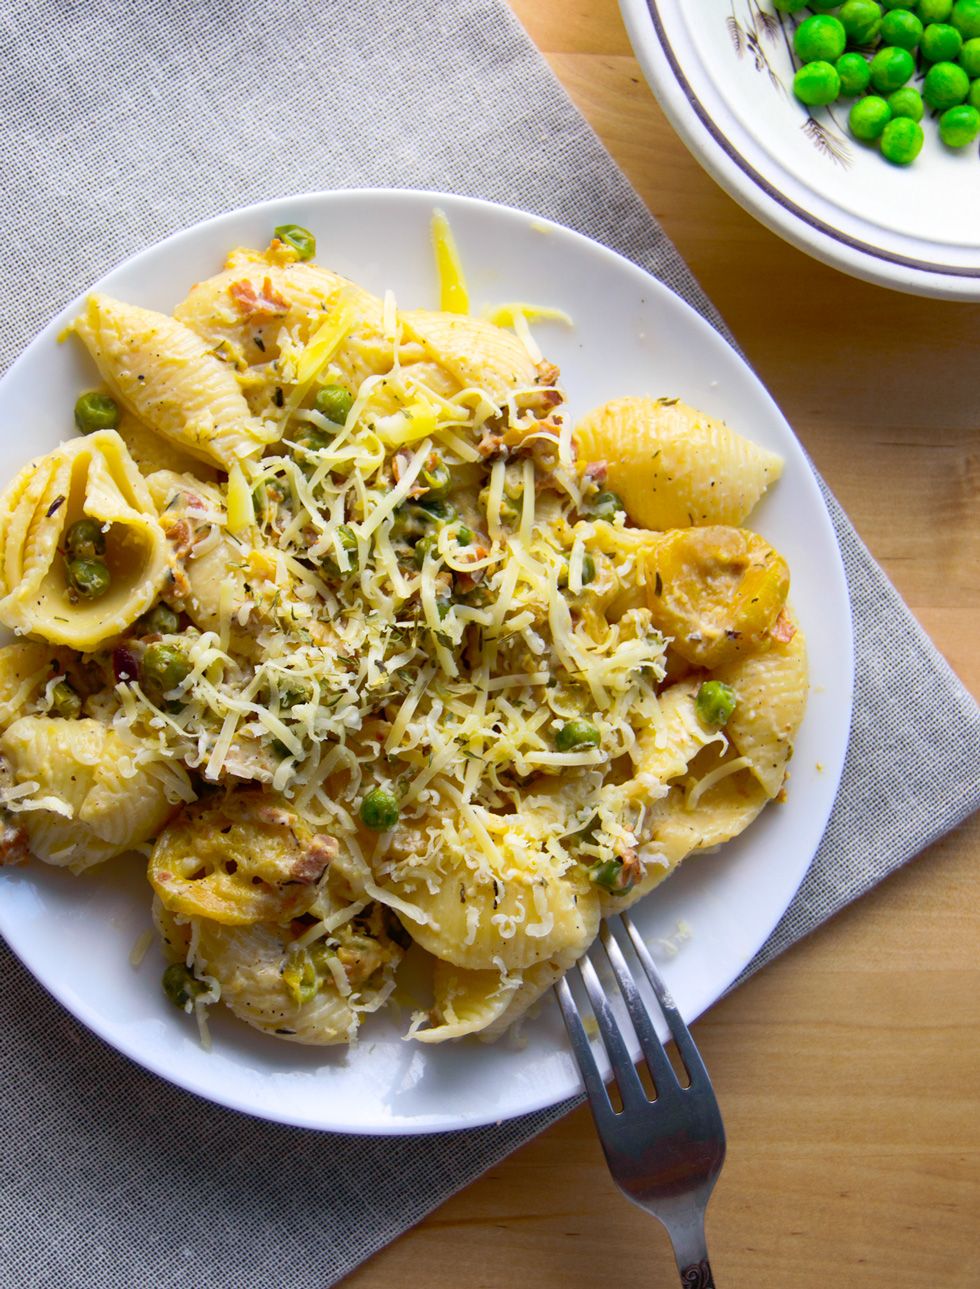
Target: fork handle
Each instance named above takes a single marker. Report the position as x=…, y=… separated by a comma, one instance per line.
x=697, y=1275
x=690, y=1249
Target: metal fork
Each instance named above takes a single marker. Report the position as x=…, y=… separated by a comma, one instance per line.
x=665, y=1155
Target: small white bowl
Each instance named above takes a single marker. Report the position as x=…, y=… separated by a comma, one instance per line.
x=723, y=71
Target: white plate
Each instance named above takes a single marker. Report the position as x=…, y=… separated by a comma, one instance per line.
x=723, y=72
x=631, y=336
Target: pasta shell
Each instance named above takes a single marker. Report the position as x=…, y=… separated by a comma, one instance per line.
x=94, y=477
x=515, y=910
x=271, y=984
x=259, y=310
x=25, y=669
x=239, y=859
x=249, y=963
x=93, y=800
x=151, y=451
x=675, y=826
x=717, y=592
x=166, y=376
x=486, y=1002
x=474, y=352
x=673, y=466
x=771, y=689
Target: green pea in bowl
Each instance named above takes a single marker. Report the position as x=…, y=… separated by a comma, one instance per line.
x=852, y=130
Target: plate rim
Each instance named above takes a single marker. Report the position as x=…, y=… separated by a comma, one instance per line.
x=757, y=194
x=63, y=992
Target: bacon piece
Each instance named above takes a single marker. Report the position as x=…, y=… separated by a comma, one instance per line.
x=315, y=860
x=13, y=845
x=179, y=535
x=597, y=471
x=548, y=373
x=490, y=445
x=467, y=581
x=399, y=464
x=265, y=303
x=632, y=870
x=783, y=629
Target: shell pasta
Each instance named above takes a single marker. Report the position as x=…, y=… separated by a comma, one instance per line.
x=334, y=618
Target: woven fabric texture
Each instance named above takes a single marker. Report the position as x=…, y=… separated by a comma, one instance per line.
x=124, y=122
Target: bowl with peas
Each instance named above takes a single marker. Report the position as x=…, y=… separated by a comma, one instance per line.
x=849, y=127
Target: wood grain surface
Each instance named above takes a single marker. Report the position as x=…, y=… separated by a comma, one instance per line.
x=848, y=1069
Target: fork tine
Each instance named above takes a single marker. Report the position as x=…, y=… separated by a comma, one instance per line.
x=650, y=1044
x=627, y=1080
x=681, y=1034
x=582, y=1048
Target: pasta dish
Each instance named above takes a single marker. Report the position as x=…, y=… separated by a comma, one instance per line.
x=333, y=614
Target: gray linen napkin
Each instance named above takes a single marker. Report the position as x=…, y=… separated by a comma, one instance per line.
x=124, y=121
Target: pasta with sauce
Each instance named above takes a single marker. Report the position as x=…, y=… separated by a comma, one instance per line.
x=343, y=623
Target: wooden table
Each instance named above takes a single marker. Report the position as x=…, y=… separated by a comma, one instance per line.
x=847, y=1070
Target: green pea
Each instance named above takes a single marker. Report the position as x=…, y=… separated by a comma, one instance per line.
x=464, y=536
x=823, y=6
x=934, y=10
x=901, y=141
x=165, y=666
x=292, y=692
x=898, y=4
x=861, y=19
x=970, y=57
x=891, y=68
x=311, y=439
x=320, y=954
x=300, y=239
x=788, y=6
x=959, y=126
x=974, y=96
x=854, y=73
x=609, y=875
x=379, y=810
x=96, y=412
x=901, y=29
x=65, y=702
x=868, y=117
x=820, y=39
x=965, y=17
x=181, y=986
x=941, y=43
x=334, y=402
x=606, y=505
x=85, y=540
x=299, y=975
x=410, y=522
x=423, y=547
x=906, y=102
x=715, y=703
x=88, y=578
x=436, y=476
x=161, y=620
x=946, y=85
x=438, y=508
x=577, y=734
x=816, y=84
x=588, y=569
